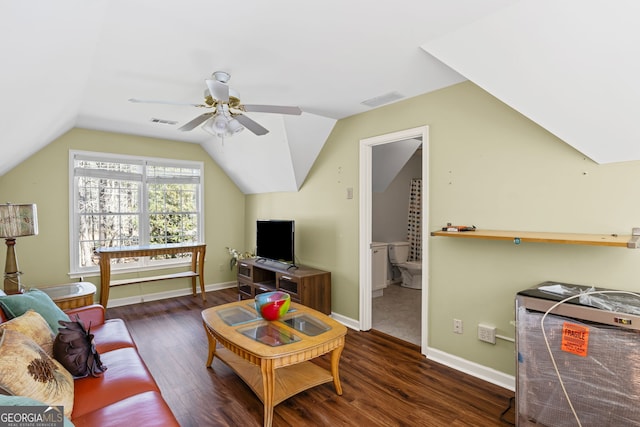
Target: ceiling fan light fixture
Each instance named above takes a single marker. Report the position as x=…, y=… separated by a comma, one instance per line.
x=234, y=126
x=220, y=123
x=222, y=126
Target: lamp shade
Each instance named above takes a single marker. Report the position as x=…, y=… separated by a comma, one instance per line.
x=18, y=220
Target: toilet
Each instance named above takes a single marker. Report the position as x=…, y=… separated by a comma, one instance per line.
x=411, y=270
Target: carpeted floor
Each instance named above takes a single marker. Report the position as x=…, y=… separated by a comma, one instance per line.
x=397, y=312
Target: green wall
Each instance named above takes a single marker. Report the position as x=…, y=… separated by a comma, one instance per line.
x=44, y=179
x=488, y=166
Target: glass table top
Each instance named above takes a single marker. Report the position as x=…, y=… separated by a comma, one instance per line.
x=270, y=334
x=306, y=324
x=233, y=316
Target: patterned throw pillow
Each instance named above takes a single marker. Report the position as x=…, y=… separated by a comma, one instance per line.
x=35, y=327
x=26, y=370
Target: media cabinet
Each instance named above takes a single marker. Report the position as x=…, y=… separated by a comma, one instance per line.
x=307, y=286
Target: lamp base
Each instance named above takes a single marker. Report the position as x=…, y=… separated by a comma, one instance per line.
x=12, y=283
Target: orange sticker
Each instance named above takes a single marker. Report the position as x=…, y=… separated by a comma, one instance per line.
x=575, y=339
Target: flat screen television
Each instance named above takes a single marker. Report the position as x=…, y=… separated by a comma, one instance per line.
x=275, y=240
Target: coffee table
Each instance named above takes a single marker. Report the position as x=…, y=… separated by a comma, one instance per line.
x=273, y=357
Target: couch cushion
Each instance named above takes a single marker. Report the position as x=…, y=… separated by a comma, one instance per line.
x=18, y=304
x=35, y=327
x=127, y=376
x=91, y=315
x=26, y=370
x=146, y=409
x=111, y=335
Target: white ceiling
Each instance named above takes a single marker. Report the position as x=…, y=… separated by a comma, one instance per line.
x=572, y=66
x=568, y=65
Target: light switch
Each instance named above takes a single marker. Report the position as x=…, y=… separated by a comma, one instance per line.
x=349, y=192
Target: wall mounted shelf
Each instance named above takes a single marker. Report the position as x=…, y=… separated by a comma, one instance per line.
x=517, y=237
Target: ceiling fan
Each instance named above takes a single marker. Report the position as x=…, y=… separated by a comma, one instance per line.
x=227, y=116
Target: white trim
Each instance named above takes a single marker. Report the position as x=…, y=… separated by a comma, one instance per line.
x=366, y=150
x=346, y=321
x=474, y=369
x=119, y=302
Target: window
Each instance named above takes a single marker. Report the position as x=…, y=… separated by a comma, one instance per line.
x=128, y=201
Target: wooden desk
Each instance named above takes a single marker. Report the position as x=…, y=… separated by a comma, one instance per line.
x=197, y=251
x=279, y=366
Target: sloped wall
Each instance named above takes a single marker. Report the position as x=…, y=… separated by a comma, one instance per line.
x=491, y=167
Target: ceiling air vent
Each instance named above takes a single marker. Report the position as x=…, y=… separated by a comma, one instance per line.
x=163, y=121
x=382, y=99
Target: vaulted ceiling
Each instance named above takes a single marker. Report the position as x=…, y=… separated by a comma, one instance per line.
x=569, y=65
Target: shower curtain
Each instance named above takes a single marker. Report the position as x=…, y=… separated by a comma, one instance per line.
x=414, y=229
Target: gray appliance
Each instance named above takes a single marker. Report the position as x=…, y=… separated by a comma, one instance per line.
x=594, y=339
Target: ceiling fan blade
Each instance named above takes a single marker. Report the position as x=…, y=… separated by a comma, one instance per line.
x=252, y=125
x=218, y=91
x=280, y=109
x=195, y=122
x=152, y=101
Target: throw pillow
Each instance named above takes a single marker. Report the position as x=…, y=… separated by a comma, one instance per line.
x=35, y=299
x=26, y=370
x=27, y=401
x=35, y=327
x=75, y=349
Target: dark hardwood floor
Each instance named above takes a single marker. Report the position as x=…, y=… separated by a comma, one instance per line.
x=386, y=382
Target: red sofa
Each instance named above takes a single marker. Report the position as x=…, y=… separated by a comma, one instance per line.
x=126, y=394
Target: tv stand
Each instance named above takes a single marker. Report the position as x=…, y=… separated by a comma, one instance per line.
x=307, y=286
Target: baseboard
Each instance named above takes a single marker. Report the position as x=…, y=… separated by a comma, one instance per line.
x=474, y=369
x=118, y=302
x=346, y=321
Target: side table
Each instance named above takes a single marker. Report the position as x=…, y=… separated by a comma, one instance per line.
x=71, y=295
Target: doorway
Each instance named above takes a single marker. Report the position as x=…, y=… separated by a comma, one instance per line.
x=366, y=214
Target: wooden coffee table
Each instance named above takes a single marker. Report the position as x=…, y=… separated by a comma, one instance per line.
x=272, y=358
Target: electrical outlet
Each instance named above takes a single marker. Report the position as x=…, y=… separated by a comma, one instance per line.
x=457, y=326
x=487, y=333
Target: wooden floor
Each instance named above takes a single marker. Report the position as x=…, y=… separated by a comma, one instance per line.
x=385, y=382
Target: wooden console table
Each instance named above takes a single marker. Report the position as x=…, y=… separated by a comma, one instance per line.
x=197, y=251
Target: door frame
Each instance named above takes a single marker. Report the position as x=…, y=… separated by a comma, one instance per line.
x=366, y=178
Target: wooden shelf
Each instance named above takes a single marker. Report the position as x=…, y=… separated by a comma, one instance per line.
x=622, y=241
x=290, y=380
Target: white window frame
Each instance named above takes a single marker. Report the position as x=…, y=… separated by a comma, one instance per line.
x=144, y=263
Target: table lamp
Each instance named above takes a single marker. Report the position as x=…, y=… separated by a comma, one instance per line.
x=16, y=221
